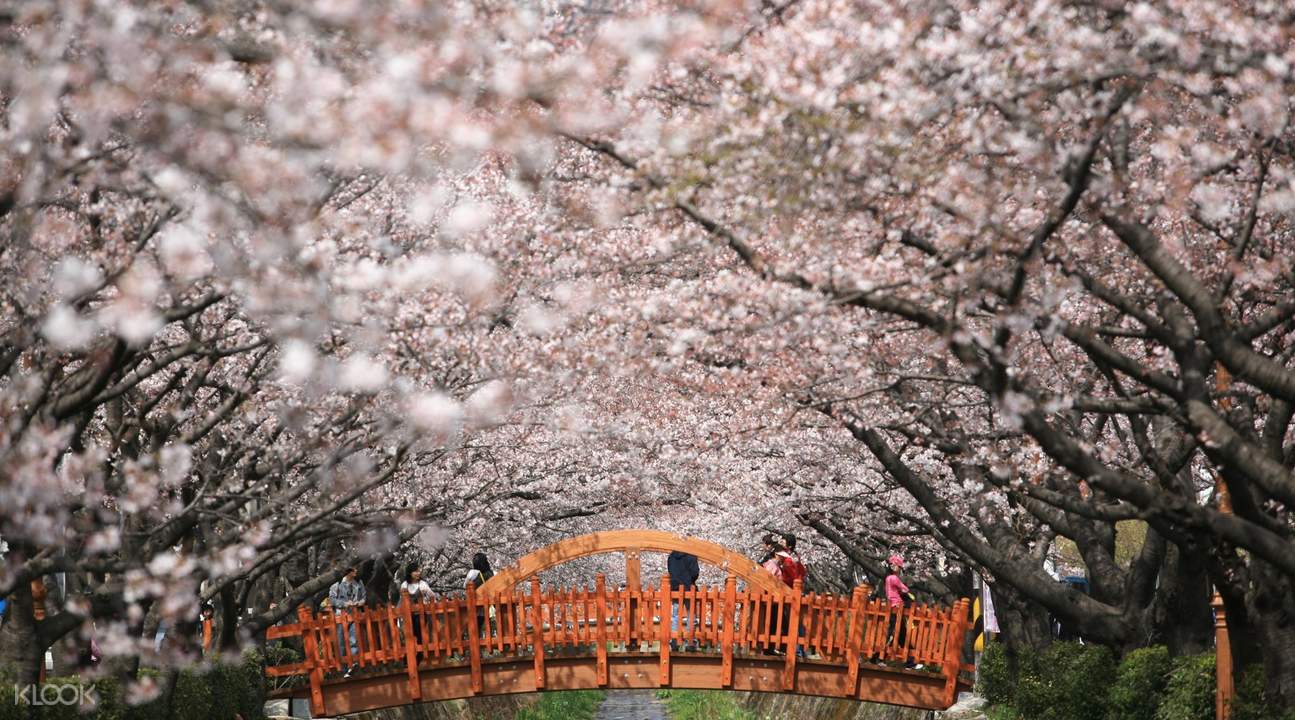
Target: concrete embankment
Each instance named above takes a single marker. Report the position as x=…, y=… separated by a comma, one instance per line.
x=773, y=706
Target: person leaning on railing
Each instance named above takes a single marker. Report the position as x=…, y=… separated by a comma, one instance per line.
x=419, y=592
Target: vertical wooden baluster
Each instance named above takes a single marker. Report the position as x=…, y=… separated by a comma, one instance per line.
x=411, y=643
x=474, y=638
x=363, y=635
x=664, y=633
x=600, y=629
x=729, y=619
x=627, y=609
x=792, y=633
x=773, y=610
x=514, y=637
x=813, y=622
x=953, y=652
x=349, y=618
x=586, y=616
x=443, y=628
x=930, y=642
x=537, y=636
x=569, y=618
x=749, y=620
x=706, y=616
x=855, y=641
x=314, y=668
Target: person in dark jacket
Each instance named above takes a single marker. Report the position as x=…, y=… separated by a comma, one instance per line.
x=684, y=572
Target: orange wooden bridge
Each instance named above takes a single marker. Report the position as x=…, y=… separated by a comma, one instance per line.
x=513, y=636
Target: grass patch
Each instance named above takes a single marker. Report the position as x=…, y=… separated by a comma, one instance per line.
x=702, y=705
x=564, y=705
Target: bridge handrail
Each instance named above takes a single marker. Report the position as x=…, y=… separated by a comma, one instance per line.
x=407, y=636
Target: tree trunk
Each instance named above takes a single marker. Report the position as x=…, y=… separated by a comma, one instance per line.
x=1180, y=613
x=1024, y=623
x=19, y=647
x=1272, y=618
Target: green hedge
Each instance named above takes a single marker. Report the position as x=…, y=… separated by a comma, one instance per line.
x=1069, y=682
x=1190, y=692
x=996, y=682
x=215, y=692
x=1077, y=682
x=1140, y=684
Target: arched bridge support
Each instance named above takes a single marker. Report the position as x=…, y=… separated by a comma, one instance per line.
x=632, y=543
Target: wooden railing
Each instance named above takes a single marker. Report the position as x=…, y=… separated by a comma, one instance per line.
x=480, y=630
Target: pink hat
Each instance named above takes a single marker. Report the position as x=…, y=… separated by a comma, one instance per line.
x=895, y=560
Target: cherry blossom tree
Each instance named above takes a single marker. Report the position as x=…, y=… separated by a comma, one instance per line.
x=292, y=288
x=1046, y=249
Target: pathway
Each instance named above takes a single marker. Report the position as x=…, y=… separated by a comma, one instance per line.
x=631, y=705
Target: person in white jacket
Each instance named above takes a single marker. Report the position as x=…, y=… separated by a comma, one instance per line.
x=419, y=592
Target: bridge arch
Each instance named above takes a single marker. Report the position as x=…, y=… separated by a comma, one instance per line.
x=631, y=543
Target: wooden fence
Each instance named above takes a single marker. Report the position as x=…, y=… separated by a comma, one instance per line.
x=596, y=622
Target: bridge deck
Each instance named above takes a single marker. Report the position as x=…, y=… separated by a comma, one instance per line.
x=571, y=639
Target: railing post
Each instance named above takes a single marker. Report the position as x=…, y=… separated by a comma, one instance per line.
x=1222, y=661
x=600, y=627
x=633, y=570
x=411, y=645
x=792, y=631
x=311, y=648
x=957, y=632
x=854, y=641
x=665, y=630
x=537, y=641
x=474, y=639
x=729, y=618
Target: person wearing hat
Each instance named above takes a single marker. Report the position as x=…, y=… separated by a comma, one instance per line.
x=898, y=596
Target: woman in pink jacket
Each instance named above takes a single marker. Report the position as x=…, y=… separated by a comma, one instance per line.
x=898, y=596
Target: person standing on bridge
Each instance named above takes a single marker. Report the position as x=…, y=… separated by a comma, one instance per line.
x=419, y=592
x=898, y=596
x=477, y=576
x=684, y=572
x=344, y=596
x=791, y=570
x=773, y=564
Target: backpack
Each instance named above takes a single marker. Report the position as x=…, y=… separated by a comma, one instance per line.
x=792, y=569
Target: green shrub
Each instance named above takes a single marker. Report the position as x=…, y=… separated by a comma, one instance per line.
x=155, y=709
x=1069, y=682
x=996, y=682
x=191, y=699
x=9, y=707
x=1190, y=692
x=1140, y=684
x=251, y=674
x=276, y=655
x=59, y=711
x=226, y=685
x=1251, y=701
x=111, y=702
